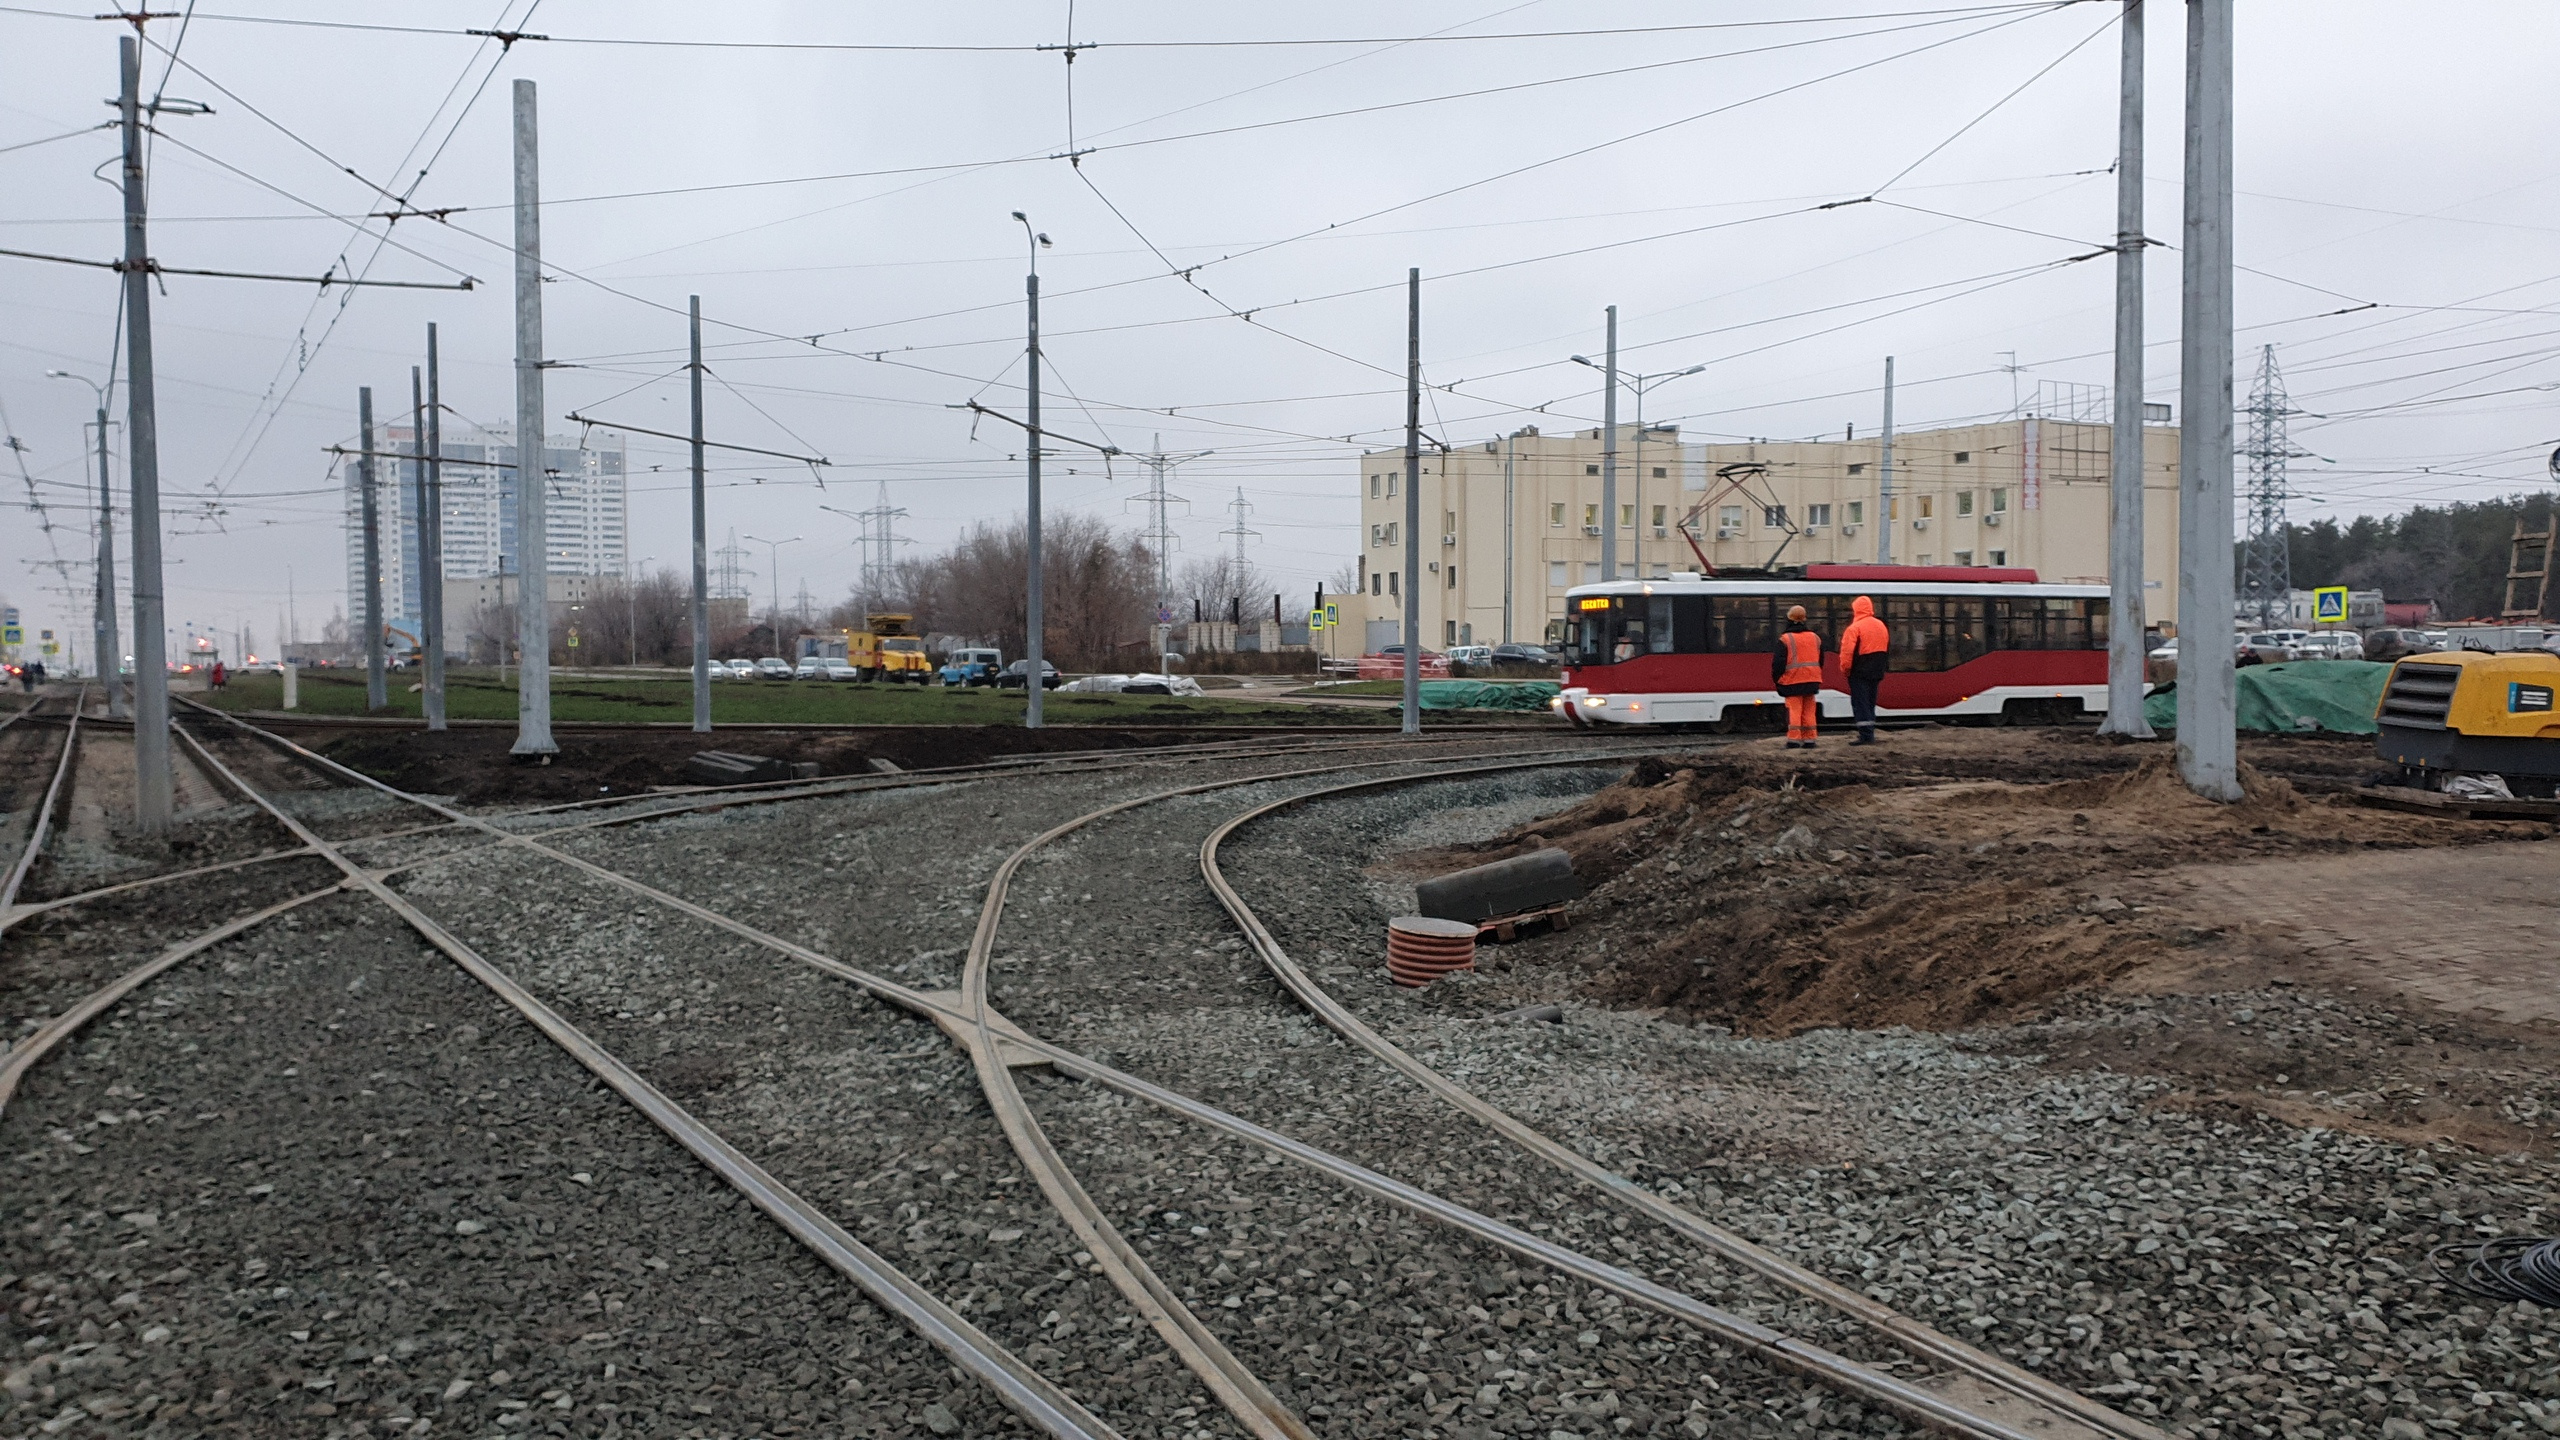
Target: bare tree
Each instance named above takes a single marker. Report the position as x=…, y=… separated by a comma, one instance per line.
x=1221, y=586
x=1097, y=586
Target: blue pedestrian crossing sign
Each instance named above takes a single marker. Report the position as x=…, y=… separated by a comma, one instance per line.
x=2329, y=605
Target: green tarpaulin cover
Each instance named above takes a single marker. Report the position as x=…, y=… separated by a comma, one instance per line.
x=1487, y=694
x=2333, y=695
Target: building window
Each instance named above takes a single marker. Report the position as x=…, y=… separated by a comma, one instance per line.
x=1661, y=516
x=1449, y=521
x=1999, y=502
x=1391, y=484
x=1859, y=468
x=1391, y=533
x=1925, y=559
x=1893, y=509
x=1627, y=516
x=1555, y=513
x=1729, y=517
x=1376, y=582
x=1373, y=487
x=1964, y=457
x=1590, y=469
x=1377, y=534
x=1999, y=557
x=1660, y=473
x=1590, y=516
x=1453, y=577
x=1964, y=502
x=1450, y=632
x=1774, y=516
x=1928, y=507
x=1857, y=512
x=1391, y=580
x=1590, y=572
x=1661, y=571
x=1964, y=557
x=1817, y=516
x=1556, y=575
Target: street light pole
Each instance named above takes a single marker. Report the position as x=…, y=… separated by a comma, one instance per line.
x=775, y=551
x=631, y=606
x=1640, y=384
x=154, y=782
x=110, y=653
x=1034, y=662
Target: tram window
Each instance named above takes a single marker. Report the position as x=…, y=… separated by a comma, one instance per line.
x=1631, y=626
x=1660, y=633
x=2096, y=614
x=1912, y=623
x=1689, y=633
x=1587, y=638
x=1741, y=624
x=1968, y=628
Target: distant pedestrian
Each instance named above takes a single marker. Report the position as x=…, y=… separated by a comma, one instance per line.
x=1795, y=667
x=220, y=675
x=27, y=678
x=1863, y=647
x=36, y=669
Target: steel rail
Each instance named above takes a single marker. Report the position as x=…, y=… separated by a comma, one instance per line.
x=16, y=1061
x=1920, y=1340
x=44, y=813
x=1821, y=1364
x=1022, y=1389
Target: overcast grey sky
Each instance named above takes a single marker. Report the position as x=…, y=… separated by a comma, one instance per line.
x=2392, y=159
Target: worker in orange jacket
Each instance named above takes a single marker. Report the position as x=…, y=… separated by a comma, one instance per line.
x=1863, y=648
x=1795, y=667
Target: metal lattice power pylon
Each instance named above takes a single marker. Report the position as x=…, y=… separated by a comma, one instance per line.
x=2266, y=564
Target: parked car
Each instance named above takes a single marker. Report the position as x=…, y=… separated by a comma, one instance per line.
x=2394, y=644
x=1396, y=652
x=1523, y=655
x=1013, y=676
x=2269, y=647
x=841, y=670
x=964, y=669
x=1471, y=654
x=774, y=667
x=2331, y=645
x=821, y=667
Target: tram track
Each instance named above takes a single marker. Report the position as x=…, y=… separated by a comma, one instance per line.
x=1250, y=1402
x=971, y=1016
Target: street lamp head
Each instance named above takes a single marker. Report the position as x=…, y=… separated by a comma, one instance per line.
x=1582, y=360
x=1692, y=370
x=1018, y=215
x=61, y=375
x=1044, y=241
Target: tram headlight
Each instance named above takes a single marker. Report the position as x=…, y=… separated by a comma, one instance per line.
x=1595, y=701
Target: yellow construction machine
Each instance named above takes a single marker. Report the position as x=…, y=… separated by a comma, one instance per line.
x=883, y=650
x=2473, y=712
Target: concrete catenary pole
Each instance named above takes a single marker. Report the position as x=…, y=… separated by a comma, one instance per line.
x=110, y=652
x=1413, y=502
x=1884, y=475
x=701, y=544
x=376, y=684
x=2208, y=743
x=1510, y=453
x=1609, y=455
x=533, y=545
x=1034, y=659
x=431, y=547
x=153, y=782
x=376, y=688
x=2125, y=648
x=418, y=500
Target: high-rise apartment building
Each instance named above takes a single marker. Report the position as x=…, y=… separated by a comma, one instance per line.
x=1511, y=524
x=587, y=518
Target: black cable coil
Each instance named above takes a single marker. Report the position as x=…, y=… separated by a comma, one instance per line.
x=2524, y=1267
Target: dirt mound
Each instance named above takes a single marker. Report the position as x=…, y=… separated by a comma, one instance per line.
x=1938, y=883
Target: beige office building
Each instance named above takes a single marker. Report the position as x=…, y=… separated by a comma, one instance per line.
x=1510, y=524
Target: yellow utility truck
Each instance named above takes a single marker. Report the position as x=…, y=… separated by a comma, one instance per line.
x=884, y=650
x=2473, y=712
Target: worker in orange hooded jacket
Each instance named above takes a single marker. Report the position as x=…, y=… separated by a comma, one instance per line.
x=1863, y=648
x=1795, y=668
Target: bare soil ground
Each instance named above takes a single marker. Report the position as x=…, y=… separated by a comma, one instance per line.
x=2067, y=896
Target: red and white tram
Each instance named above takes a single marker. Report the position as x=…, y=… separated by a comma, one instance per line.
x=1966, y=640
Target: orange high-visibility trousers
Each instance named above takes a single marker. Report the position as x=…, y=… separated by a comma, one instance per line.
x=1802, y=710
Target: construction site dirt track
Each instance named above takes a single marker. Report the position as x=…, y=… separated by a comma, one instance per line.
x=1943, y=880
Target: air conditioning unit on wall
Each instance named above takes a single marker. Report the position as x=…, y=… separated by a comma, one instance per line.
x=1728, y=532
x=1590, y=529
x=1920, y=524
x=1449, y=539
x=1991, y=519
x=1850, y=529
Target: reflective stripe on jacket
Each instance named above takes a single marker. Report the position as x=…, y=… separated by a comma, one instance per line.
x=1799, y=658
